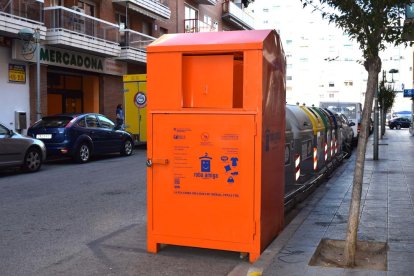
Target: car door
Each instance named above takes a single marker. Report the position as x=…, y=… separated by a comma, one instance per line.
x=111, y=139
x=406, y=122
x=94, y=132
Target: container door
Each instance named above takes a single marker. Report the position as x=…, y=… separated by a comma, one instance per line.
x=203, y=176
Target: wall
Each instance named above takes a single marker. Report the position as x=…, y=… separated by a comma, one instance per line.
x=111, y=94
x=13, y=96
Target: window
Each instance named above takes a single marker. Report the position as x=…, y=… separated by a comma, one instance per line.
x=190, y=12
x=82, y=123
x=121, y=20
x=331, y=84
x=105, y=122
x=163, y=31
x=348, y=83
x=146, y=28
x=289, y=41
x=331, y=95
x=265, y=10
x=91, y=121
x=190, y=19
x=289, y=66
x=3, y=131
x=289, y=77
x=88, y=7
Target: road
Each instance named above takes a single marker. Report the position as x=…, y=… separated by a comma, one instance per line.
x=90, y=219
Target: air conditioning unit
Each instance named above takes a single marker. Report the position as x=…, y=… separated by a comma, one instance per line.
x=76, y=8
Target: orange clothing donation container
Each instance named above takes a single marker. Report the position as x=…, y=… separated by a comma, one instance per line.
x=216, y=140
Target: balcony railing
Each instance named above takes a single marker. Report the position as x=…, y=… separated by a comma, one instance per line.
x=156, y=9
x=133, y=46
x=235, y=15
x=206, y=2
x=198, y=26
x=18, y=14
x=75, y=29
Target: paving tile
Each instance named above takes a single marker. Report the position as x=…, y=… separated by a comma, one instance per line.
x=328, y=271
x=372, y=233
x=403, y=267
x=401, y=247
x=361, y=272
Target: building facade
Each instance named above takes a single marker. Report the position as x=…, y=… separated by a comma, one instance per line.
x=323, y=63
x=86, y=46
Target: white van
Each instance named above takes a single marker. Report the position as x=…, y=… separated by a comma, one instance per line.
x=352, y=110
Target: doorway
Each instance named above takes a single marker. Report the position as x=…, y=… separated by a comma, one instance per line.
x=72, y=93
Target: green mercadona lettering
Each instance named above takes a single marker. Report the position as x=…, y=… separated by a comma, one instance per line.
x=50, y=55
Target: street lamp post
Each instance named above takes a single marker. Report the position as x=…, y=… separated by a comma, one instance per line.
x=376, y=126
x=38, y=106
x=30, y=37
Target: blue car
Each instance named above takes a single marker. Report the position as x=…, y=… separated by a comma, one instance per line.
x=81, y=135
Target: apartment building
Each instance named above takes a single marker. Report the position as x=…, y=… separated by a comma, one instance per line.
x=86, y=46
x=323, y=63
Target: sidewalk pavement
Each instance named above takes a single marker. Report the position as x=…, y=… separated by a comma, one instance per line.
x=387, y=214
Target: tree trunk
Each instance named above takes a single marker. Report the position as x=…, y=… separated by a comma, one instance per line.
x=373, y=66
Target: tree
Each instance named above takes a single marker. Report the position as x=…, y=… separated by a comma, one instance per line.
x=373, y=24
x=386, y=97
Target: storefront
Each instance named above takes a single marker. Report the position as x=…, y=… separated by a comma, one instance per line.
x=74, y=82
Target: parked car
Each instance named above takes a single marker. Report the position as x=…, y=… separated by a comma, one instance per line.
x=81, y=135
x=347, y=132
x=19, y=150
x=399, y=123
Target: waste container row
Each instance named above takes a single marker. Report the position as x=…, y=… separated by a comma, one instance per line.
x=313, y=140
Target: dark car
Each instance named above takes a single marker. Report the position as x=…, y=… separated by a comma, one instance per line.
x=19, y=150
x=81, y=135
x=347, y=132
x=399, y=123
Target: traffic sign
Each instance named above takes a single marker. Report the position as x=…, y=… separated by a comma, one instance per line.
x=409, y=93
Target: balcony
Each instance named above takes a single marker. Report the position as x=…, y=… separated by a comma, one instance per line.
x=75, y=30
x=198, y=26
x=133, y=46
x=155, y=9
x=236, y=16
x=18, y=14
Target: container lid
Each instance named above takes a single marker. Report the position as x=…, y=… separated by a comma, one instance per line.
x=316, y=120
x=298, y=118
x=210, y=41
x=322, y=116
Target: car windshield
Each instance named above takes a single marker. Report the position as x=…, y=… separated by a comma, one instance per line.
x=55, y=121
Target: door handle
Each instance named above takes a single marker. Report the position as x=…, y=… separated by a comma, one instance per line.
x=151, y=162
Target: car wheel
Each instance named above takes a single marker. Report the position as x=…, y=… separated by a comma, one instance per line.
x=391, y=127
x=83, y=153
x=127, y=149
x=398, y=127
x=32, y=160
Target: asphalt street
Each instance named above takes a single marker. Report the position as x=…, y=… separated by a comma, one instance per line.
x=90, y=219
